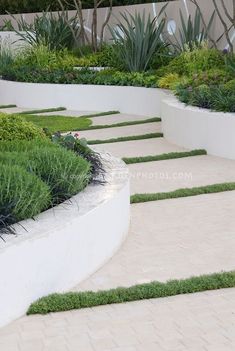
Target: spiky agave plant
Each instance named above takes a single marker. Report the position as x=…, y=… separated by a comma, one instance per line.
x=138, y=39
x=192, y=33
x=52, y=30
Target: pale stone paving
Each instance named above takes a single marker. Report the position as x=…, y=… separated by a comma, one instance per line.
x=170, y=239
x=139, y=148
x=187, y=172
x=117, y=132
x=175, y=238
x=198, y=322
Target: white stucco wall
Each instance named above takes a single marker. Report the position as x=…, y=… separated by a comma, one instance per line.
x=140, y=101
x=196, y=128
x=64, y=245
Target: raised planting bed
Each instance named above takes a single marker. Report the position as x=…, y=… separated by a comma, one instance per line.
x=65, y=244
x=132, y=100
x=197, y=128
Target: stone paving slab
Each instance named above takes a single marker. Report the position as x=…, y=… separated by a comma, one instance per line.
x=199, y=322
x=15, y=110
x=69, y=113
x=117, y=132
x=176, y=238
x=100, y=120
x=117, y=118
x=137, y=148
x=169, y=175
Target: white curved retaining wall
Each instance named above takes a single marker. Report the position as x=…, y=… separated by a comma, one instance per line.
x=65, y=244
x=196, y=128
x=186, y=126
x=139, y=101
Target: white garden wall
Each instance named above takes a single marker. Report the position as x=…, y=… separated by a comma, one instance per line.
x=64, y=245
x=140, y=101
x=186, y=126
x=196, y=128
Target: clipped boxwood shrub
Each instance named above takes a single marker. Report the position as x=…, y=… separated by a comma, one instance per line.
x=22, y=194
x=14, y=127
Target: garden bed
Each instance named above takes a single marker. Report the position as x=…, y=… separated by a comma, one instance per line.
x=193, y=127
x=65, y=244
x=132, y=100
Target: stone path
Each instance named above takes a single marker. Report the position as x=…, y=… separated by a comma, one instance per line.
x=175, y=238
x=117, y=132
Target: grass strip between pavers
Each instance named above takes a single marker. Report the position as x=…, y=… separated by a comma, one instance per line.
x=45, y=110
x=123, y=124
x=127, y=138
x=77, y=300
x=7, y=106
x=166, y=156
x=185, y=192
x=102, y=114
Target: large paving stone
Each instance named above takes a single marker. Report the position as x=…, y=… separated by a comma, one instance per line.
x=136, y=148
x=169, y=175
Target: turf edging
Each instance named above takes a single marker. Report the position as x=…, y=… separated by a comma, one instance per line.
x=127, y=138
x=32, y=112
x=78, y=300
x=166, y=156
x=185, y=192
x=123, y=124
x=7, y=106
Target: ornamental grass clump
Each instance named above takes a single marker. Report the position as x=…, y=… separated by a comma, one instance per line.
x=35, y=175
x=62, y=170
x=22, y=195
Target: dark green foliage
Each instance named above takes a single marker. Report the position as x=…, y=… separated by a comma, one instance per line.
x=169, y=156
x=50, y=30
x=41, y=174
x=208, y=189
x=64, y=172
x=80, y=147
x=127, y=138
x=79, y=300
x=216, y=97
x=25, y=6
x=22, y=194
x=7, y=106
x=66, y=76
x=138, y=39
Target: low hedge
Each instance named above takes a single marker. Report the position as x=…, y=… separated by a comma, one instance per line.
x=84, y=76
x=28, y=6
x=14, y=127
x=77, y=300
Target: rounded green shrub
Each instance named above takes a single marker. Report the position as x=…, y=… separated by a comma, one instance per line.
x=14, y=127
x=41, y=56
x=22, y=194
x=169, y=81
